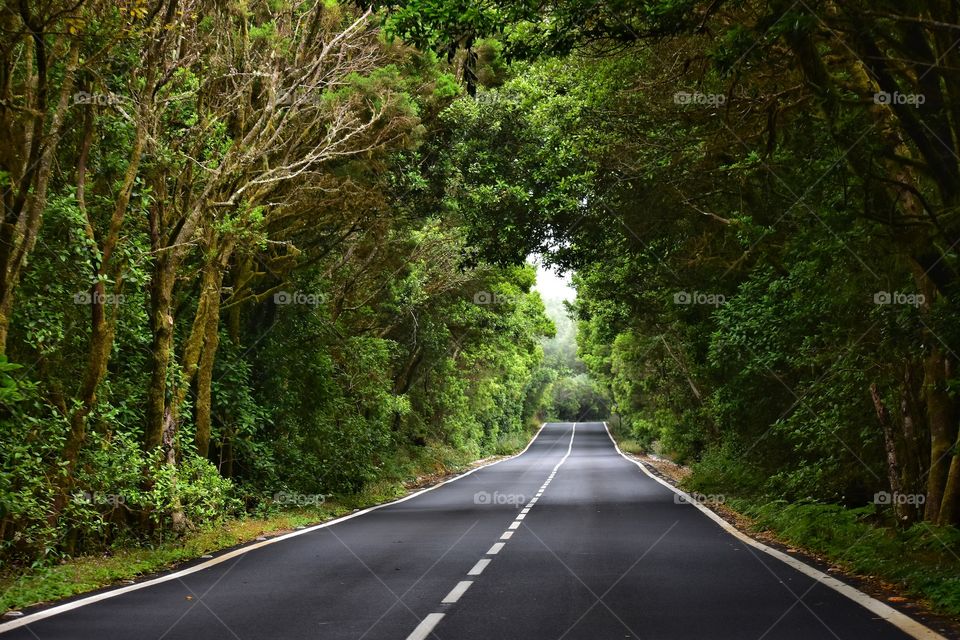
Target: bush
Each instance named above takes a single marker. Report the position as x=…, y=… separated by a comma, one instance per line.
x=722, y=469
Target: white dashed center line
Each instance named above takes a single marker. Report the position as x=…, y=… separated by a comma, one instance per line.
x=425, y=628
x=479, y=567
x=457, y=591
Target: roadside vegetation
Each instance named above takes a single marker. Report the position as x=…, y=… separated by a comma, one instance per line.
x=121, y=564
x=233, y=280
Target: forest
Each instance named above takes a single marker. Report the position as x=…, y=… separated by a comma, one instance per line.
x=267, y=247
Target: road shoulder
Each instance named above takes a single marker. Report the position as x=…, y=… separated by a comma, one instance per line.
x=672, y=474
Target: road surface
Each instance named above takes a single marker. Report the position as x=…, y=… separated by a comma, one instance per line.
x=567, y=540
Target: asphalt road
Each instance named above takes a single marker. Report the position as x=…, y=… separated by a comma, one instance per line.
x=602, y=552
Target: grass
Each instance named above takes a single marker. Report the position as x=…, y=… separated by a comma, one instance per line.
x=509, y=445
x=625, y=440
x=629, y=445
x=25, y=586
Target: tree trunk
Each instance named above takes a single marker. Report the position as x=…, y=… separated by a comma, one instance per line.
x=98, y=357
x=21, y=223
x=161, y=324
x=941, y=423
x=102, y=324
x=950, y=506
x=210, y=327
x=914, y=444
x=893, y=464
x=205, y=385
x=177, y=516
x=201, y=347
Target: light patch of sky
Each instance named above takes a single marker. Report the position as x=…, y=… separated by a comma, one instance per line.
x=550, y=285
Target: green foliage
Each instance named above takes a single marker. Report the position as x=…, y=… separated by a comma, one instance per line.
x=31, y=439
x=576, y=399
x=315, y=329
x=198, y=489
x=107, y=493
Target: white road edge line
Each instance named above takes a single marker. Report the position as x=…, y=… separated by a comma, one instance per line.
x=479, y=567
x=457, y=592
x=426, y=626
x=76, y=604
x=901, y=621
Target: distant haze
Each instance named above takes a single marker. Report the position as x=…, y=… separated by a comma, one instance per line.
x=561, y=350
x=551, y=286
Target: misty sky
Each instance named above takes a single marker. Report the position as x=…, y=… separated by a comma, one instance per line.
x=552, y=286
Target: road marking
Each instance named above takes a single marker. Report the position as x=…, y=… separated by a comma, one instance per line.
x=479, y=567
x=573, y=434
x=902, y=621
x=76, y=604
x=425, y=627
x=457, y=592
x=495, y=549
